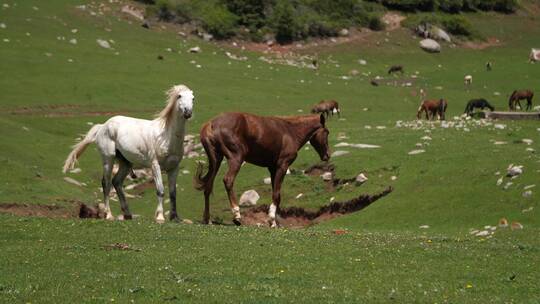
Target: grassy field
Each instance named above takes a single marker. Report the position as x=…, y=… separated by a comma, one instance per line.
x=51, y=89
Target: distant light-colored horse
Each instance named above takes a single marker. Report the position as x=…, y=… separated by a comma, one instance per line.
x=467, y=80
x=140, y=143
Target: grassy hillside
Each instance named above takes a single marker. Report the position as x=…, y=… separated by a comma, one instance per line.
x=51, y=89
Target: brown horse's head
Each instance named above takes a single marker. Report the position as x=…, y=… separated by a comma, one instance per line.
x=319, y=141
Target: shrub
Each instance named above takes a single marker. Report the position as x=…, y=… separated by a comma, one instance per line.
x=457, y=25
x=451, y=6
x=506, y=6
x=218, y=21
x=375, y=23
x=284, y=22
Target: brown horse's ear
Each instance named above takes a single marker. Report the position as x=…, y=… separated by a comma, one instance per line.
x=323, y=120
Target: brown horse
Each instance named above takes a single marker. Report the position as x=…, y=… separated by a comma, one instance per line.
x=271, y=142
x=432, y=108
x=516, y=96
x=326, y=107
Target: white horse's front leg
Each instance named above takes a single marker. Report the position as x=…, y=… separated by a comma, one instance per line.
x=160, y=191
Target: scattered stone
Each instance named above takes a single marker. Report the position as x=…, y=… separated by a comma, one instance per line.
x=344, y=32
x=361, y=178
x=339, y=153
x=393, y=177
x=500, y=142
x=185, y=171
x=249, y=198
x=3, y=25
x=527, y=194
x=503, y=223
x=365, y=146
x=327, y=176
x=530, y=150
x=74, y=182
x=499, y=126
x=267, y=180
x=103, y=43
x=528, y=209
x=73, y=41
x=75, y=170
x=195, y=49
x=426, y=138
x=527, y=141
x=424, y=227
x=483, y=233
x=516, y=226
x=362, y=61
x=430, y=45
x=299, y=195
x=529, y=187
x=499, y=181
x=514, y=170
x=414, y=152
x=508, y=184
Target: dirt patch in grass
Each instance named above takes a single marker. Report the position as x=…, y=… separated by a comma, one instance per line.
x=78, y=210
x=296, y=217
x=480, y=45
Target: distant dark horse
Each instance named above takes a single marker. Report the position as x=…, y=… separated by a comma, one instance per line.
x=432, y=108
x=520, y=95
x=395, y=68
x=477, y=103
x=271, y=142
x=326, y=107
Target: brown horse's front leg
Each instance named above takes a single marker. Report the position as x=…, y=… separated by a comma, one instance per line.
x=228, y=181
x=277, y=176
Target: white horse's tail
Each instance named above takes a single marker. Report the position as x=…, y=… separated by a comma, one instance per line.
x=79, y=148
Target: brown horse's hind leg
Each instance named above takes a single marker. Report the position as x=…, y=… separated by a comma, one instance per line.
x=228, y=181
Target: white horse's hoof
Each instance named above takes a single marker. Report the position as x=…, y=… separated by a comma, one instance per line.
x=160, y=219
x=110, y=217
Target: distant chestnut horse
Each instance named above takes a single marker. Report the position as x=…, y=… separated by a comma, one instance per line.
x=326, y=107
x=432, y=108
x=520, y=95
x=272, y=142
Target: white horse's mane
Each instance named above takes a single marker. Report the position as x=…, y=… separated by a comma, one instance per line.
x=168, y=112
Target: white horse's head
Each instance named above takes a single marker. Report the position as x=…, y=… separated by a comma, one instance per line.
x=184, y=98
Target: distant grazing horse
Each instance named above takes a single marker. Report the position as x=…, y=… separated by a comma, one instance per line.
x=395, y=69
x=140, y=143
x=467, y=80
x=326, y=107
x=516, y=96
x=477, y=103
x=271, y=142
x=432, y=108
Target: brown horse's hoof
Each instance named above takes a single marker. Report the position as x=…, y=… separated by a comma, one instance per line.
x=128, y=217
x=174, y=217
x=237, y=222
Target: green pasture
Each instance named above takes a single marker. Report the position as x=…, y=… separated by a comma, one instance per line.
x=51, y=90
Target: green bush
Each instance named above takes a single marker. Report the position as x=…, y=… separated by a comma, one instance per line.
x=457, y=25
x=284, y=22
x=375, y=23
x=451, y=6
x=218, y=20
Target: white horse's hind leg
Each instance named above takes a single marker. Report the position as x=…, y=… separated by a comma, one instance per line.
x=118, y=180
x=160, y=191
x=106, y=184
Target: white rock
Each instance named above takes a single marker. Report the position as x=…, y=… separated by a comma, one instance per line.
x=267, y=180
x=361, y=178
x=414, y=152
x=339, y=153
x=426, y=138
x=424, y=227
x=529, y=187
x=342, y=144
x=103, y=43
x=362, y=62
x=3, y=25
x=527, y=194
x=185, y=171
x=74, y=182
x=195, y=49
x=393, y=177
x=507, y=185
x=365, y=146
x=529, y=150
x=514, y=170
x=527, y=141
x=299, y=195
x=482, y=233
x=249, y=198
x=327, y=176
x=430, y=45
x=75, y=170
x=500, y=143
x=499, y=181
x=73, y=41
x=499, y=126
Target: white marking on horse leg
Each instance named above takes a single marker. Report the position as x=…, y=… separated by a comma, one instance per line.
x=106, y=184
x=272, y=212
x=236, y=212
x=160, y=191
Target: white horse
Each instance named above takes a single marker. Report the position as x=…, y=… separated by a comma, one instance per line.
x=140, y=143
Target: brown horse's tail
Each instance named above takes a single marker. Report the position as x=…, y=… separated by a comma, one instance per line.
x=206, y=182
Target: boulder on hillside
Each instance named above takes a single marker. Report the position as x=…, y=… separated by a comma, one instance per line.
x=440, y=34
x=430, y=45
x=249, y=198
